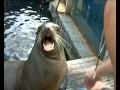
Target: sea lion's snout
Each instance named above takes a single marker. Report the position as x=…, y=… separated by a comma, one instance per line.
x=47, y=33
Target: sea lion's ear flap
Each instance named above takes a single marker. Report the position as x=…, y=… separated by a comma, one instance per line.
x=57, y=28
x=39, y=29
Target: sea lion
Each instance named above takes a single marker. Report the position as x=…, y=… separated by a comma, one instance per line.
x=46, y=66
x=12, y=70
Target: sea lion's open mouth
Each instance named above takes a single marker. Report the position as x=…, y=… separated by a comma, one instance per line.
x=48, y=44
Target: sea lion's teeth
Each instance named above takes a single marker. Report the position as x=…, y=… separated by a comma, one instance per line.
x=48, y=46
x=53, y=45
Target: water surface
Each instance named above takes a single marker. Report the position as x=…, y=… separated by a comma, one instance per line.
x=20, y=25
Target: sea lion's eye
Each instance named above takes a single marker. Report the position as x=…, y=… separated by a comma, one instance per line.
x=56, y=28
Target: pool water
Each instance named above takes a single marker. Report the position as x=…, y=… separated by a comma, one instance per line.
x=20, y=25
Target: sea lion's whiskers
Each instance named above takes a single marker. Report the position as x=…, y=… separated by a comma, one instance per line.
x=38, y=38
x=64, y=45
x=58, y=42
x=61, y=40
x=38, y=41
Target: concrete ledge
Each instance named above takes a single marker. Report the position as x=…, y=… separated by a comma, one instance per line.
x=76, y=71
x=75, y=36
x=75, y=75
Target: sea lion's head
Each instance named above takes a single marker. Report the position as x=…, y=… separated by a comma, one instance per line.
x=48, y=37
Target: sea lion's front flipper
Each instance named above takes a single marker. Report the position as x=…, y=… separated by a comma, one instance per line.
x=64, y=84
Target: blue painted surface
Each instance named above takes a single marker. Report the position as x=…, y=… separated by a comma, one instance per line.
x=90, y=20
x=93, y=13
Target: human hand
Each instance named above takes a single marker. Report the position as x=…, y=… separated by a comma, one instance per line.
x=98, y=86
x=90, y=80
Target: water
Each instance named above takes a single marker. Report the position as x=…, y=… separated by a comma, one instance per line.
x=20, y=25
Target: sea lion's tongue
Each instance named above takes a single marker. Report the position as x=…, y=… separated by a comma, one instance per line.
x=48, y=45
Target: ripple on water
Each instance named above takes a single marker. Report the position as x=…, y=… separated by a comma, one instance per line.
x=23, y=9
x=29, y=7
x=20, y=27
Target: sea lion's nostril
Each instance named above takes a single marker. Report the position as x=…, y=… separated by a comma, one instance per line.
x=48, y=35
x=48, y=32
x=47, y=29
